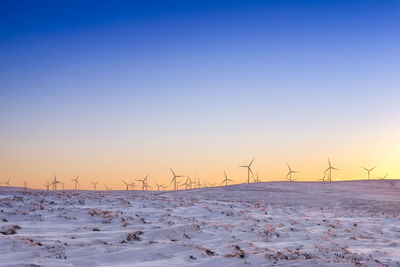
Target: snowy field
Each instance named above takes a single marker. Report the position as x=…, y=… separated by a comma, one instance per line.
x=353, y=223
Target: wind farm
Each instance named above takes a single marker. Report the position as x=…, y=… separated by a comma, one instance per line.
x=188, y=183
x=199, y=133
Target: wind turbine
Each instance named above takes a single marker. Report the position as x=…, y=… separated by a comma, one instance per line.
x=132, y=185
x=55, y=182
x=8, y=182
x=324, y=178
x=226, y=180
x=147, y=185
x=187, y=183
x=174, y=179
x=159, y=186
x=198, y=183
x=144, y=183
x=75, y=181
x=191, y=183
x=63, y=184
x=248, y=170
x=107, y=188
x=94, y=185
x=127, y=185
x=329, y=171
x=383, y=177
x=25, y=186
x=369, y=171
x=257, y=180
x=47, y=185
x=289, y=174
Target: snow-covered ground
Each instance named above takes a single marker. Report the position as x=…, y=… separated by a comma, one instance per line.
x=353, y=223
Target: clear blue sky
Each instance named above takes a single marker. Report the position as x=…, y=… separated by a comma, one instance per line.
x=114, y=88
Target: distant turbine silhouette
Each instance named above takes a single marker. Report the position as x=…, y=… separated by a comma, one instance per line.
x=198, y=185
x=226, y=180
x=47, y=185
x=329, y=170
x=383, y=177
x=174, y=179
x=289, y=174
x=191, y=183
x=126, y=184
x=132, y=185
x=144, y=183
x=248, y=170
x=63, y=184
x=369, y=171
x=323, y=179
x=75, y=181
x=94, y=185
x=107, y=188
x=55, y=182
x=25, y=186
x=7, y=183
x=257, y=180
x=159, y=186
x=187, y=183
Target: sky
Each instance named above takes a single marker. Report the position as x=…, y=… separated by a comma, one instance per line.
x=113, y=90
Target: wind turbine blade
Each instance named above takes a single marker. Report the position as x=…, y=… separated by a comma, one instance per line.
x=251, y=162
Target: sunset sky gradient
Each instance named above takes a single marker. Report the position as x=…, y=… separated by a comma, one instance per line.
x=115, y=90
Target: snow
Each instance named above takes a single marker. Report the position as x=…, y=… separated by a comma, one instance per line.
x=278, y=223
